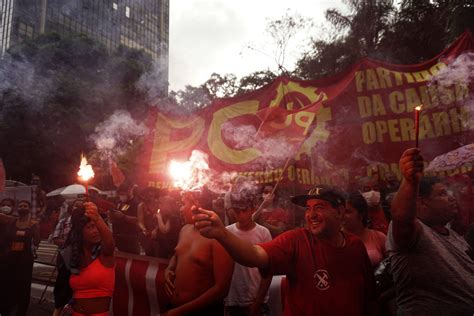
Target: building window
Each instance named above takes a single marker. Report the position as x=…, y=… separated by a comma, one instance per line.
x=22, y=28
x=127, y=11
x=29, y=31
x=115, y=6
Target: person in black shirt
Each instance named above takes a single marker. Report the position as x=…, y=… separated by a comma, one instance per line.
x=21, y=235
x=124, y=222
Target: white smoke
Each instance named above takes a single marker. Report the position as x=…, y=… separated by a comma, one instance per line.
x=244, y=184
x=21, y=77
x=195, y=173
x=221, y=183
x=151, y=82
x=113, y=136
x=275, y=149
x=359, y=154
x=192, y=174
x=460, y=71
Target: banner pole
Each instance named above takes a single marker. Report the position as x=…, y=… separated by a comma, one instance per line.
x=259, y=209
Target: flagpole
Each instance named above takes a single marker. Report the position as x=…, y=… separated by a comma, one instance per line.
x=259, y=209
x=285, y=167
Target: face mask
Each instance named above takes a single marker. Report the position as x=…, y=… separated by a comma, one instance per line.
x=372, y=197
x=123, y=198
x=6, y=209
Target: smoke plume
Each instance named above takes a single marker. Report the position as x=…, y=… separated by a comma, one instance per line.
x=275, y=149
x=113, y=136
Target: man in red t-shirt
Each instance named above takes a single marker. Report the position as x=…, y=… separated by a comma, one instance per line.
x=328, y=271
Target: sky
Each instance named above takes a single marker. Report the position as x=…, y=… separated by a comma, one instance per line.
x=208, y=36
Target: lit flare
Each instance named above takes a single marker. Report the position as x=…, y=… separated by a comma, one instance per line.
x=85, y=172
x=417, y=124
x=192, y=174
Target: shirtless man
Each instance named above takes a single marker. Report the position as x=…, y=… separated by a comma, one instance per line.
x=199, y=274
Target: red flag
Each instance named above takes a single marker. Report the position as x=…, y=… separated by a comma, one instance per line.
x=2, y=176
x=117, y=175
x=294, y=123
x=288, y=128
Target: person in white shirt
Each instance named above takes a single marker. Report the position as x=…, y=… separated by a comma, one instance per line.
x=248, y=294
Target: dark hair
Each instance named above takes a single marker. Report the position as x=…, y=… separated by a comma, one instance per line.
x=123, y=188
x=9, y=199
x=150, y=190
x=25, y=201
x=426, y=185
x=75, y=239
x=276, y=193
x=71, y=205
x=357, y=201
x=271, y=189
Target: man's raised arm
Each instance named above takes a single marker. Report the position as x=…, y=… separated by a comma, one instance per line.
x=403, y=208
x=243, y=252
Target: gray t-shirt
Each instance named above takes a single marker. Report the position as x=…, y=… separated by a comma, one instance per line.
x=435, y=276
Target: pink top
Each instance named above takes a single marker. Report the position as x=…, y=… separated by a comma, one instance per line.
x=374, y=242
x=378, y=220
x=95, y=280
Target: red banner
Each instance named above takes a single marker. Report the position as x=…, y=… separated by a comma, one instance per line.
x=356, y=123
x=2, y=176
x=139, y=285
x=140, y=289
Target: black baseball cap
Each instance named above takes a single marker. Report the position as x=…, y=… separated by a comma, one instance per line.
x=321, y=192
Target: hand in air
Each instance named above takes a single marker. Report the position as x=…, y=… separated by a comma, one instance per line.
x=208, y=223
x=91, y=211
x=411, y=165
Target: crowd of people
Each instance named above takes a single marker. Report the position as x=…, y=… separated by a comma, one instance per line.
x=375, y=248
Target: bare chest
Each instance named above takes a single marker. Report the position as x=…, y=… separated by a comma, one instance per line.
x=193, y=248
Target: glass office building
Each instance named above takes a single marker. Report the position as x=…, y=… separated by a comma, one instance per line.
x=139, y=24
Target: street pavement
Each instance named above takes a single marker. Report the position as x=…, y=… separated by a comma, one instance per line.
x=44, y=275
x=45, y=308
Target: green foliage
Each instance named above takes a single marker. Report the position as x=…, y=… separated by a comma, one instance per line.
x=191, y=99
x=413, y=32
x=421, y=29
x=357, y=34
x=221, y=86
x=57, y=90
x=255, y=80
